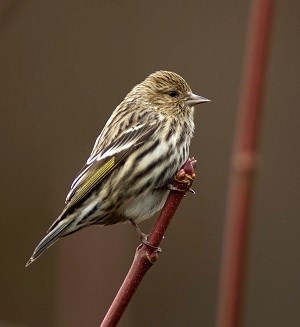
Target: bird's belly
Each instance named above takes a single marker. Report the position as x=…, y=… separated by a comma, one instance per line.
x=145, y=205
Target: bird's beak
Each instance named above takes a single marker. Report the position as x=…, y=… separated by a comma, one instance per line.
x=193, y=99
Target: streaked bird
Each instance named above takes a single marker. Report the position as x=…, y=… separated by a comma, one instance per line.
x=127, y=176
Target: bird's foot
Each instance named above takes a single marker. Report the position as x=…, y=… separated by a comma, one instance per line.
x=144, y=237
x=146, y=242
x=174, y=188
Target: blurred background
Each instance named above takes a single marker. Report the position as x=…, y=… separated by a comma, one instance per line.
x=65, y=65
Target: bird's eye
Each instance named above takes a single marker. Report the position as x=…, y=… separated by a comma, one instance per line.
x=173, y=94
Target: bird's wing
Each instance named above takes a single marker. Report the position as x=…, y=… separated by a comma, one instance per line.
x=101, y=164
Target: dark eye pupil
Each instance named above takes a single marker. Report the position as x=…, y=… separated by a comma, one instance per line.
x=173, y=93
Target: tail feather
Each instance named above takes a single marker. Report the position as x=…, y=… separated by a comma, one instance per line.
x=50, y=239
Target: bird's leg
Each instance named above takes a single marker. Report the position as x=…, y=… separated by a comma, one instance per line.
x=143, y=236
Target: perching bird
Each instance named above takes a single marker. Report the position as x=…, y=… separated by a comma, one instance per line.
x=143, y=144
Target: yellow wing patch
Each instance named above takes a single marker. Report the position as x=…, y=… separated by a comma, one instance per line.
x=91, y=181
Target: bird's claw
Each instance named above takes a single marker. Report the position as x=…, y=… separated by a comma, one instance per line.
x=174, y=188
x=156, y=248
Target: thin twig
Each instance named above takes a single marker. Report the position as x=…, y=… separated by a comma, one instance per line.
x=145, y=255
x=243, y=165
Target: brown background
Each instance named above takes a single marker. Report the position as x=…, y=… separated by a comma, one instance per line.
x=64, y=66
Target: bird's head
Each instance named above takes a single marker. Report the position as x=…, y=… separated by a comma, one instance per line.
x=170, y=93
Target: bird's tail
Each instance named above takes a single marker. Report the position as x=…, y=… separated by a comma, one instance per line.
x=51, y=237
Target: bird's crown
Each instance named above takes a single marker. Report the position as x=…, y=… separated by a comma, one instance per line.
x=163, y=80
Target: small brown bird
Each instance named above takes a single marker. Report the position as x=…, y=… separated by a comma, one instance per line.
x=143, y=144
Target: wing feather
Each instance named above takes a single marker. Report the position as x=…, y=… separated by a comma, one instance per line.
x=101, y=164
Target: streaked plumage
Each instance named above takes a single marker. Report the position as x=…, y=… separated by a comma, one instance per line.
x=144, y=142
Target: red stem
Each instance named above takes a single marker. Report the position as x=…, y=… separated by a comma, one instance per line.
x=145, y=256
x=243, y=165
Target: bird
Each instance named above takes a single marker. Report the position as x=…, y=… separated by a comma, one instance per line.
x=141, y=147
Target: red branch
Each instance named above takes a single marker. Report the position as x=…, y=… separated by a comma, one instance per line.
x=243, y=165
x=145, y=255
